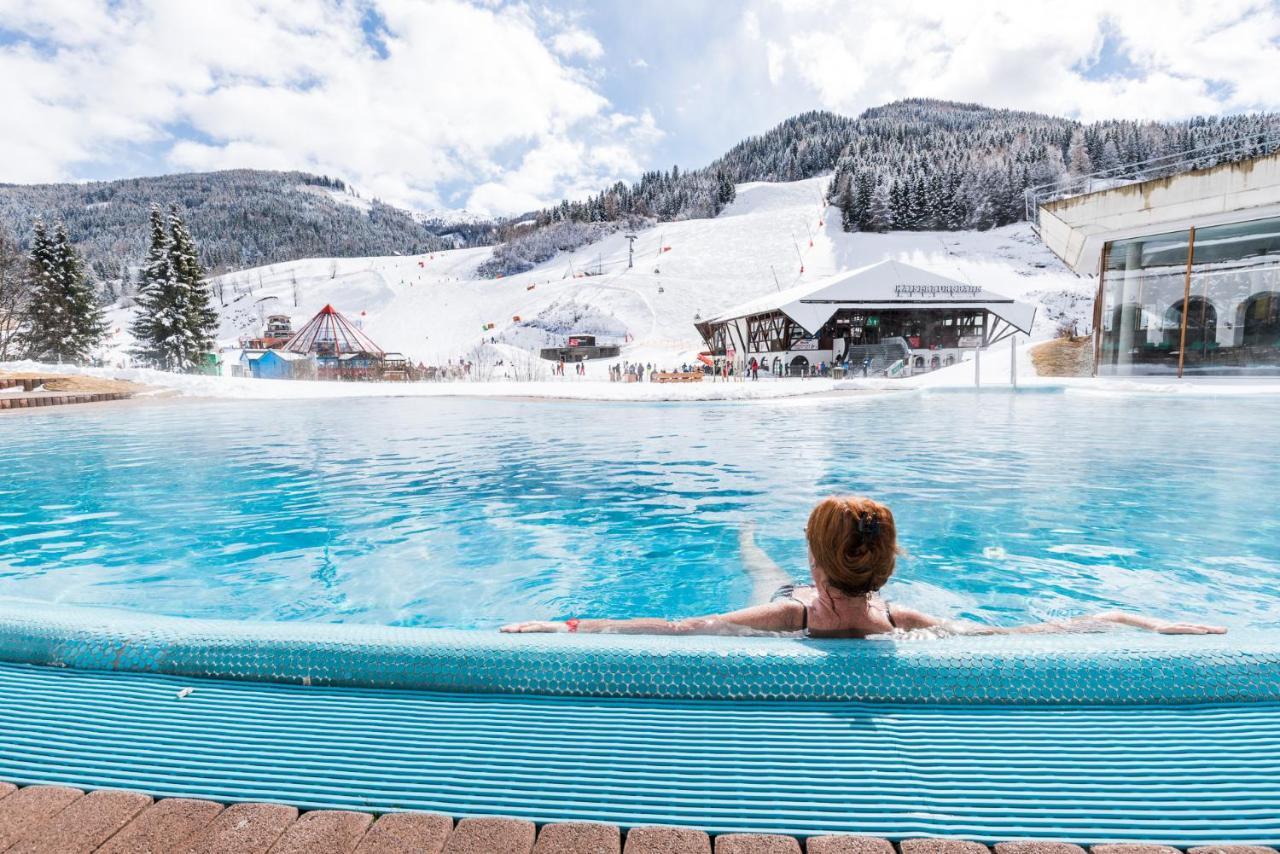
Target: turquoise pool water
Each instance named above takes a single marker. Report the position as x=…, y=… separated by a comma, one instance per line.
x=470, y=513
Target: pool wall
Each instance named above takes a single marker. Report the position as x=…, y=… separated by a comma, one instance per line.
x=1118, y=668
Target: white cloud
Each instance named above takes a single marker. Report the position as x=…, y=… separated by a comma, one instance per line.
x=1178, y=57
x=505, y=102
x=462, y=91
x=577, y=43
x=576, y=170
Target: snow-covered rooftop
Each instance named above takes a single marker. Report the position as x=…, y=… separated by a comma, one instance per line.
x=884, y=285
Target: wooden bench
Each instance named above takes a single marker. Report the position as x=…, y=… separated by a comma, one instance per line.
x=677, y=377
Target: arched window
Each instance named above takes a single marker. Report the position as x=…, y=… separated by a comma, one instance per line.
x=1261, y=320
x=1202, y=324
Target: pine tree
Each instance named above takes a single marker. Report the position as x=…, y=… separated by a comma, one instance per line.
x=844, y=203
x=156, y=324
x=176, y=320
x=1078, y=160
x=879, y=214
x=15, y=292
x=63, y=320
x=864, y=188
x=201, y=319
x=898, y=214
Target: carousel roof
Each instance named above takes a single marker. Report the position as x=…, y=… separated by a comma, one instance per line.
x=331, y=334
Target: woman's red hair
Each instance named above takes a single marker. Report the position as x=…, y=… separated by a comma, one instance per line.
x=854, y=541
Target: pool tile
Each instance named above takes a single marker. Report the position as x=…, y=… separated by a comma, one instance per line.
x=847, y=845
x=1131, y=848
x=756, y=843
x=85, y=824
x=243, y=829
x=24, y=811
x=324, y=832
x=407, y=833
x=1231, y=849
x=162, y=827
x=575, y=837
x=491, y=836
x=666, y=840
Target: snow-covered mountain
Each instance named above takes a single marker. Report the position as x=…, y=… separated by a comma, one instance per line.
x=240, y=217
x=433, y=307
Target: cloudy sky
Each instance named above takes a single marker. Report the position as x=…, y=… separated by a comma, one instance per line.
x=500, y=107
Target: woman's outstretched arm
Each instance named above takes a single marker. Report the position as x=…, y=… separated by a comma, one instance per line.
x=781, y=616
x=1096, y=621
x=1153, y=624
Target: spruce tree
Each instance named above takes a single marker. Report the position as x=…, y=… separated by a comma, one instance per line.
x=15, y=291
x=201, y=319
x=63, y=320
x=176, y=320
x=157, y=323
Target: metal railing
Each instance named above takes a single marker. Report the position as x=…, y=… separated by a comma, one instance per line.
x=1204, y=157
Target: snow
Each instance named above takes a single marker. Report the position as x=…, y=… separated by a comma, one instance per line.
x=342, y=197
x=994, y=375
x=450, y=216
x=432, y=307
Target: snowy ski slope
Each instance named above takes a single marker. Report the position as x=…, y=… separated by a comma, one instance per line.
x=432, y=308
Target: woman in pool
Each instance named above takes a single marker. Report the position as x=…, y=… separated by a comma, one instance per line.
x=853, y=546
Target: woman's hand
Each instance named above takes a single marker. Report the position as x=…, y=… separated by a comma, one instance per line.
x=1190, y=629
x=535, y=626
x=1164, y=627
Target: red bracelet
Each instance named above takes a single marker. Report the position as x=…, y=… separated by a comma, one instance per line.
x=572, y=624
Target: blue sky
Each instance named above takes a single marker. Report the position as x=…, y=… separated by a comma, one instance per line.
x=503, y=106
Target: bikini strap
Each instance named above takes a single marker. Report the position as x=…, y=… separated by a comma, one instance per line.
x=888, y=612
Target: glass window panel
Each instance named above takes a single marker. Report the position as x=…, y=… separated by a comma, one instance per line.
x=1233, y=325
x=1231, y=313
x=1142, y=279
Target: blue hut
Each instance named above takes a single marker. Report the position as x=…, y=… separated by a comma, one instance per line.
x=283, y=365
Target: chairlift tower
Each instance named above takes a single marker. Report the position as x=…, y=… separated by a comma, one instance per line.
x=631, y=250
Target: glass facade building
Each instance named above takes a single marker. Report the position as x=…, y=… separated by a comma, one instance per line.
x=1192, y=302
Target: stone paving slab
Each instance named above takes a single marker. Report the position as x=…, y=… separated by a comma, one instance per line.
x=27, y=810
x=407, y=833
x=666, y=840
x=36, y=399
x=324, y=832
x=243, y=829
x=756, y=843
x=162, y=827
x=85, y=824
x=849, y=845
x=64, y=820
x=491, y=836
x=1036, y=846
x=575, y=837
x=942, y=846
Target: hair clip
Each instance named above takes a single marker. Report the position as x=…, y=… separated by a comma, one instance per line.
x=868, y=525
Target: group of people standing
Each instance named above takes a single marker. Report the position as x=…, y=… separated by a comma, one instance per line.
x=579, y=368
x=631, y=372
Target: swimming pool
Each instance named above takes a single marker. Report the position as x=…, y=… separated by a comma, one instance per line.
x=317, y=585
x=451, y=513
